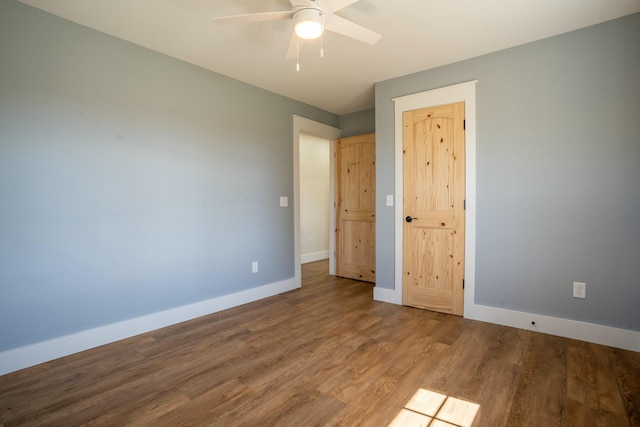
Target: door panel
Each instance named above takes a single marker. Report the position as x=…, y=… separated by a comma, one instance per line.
x=355, y=208
x=433, y=263
x=433, y=253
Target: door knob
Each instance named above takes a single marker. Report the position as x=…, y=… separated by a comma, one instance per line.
x=409, y=218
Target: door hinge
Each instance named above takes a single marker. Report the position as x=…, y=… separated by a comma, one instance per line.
x=462, y=283
x=464, y=205
x=464, y=124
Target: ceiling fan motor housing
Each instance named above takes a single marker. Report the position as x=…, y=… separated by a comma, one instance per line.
x=308, y=22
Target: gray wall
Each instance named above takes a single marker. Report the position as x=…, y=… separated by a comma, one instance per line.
x=558, y=172
x=130, y=182
x=358, y=123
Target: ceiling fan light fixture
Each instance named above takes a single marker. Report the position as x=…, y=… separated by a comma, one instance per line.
x=308, y=23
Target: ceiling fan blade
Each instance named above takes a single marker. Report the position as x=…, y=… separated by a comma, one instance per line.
x=254, y=17
x=350, y=29
x=294, y=45
x=335, y=5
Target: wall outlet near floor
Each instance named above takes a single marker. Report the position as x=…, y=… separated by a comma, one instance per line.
x=254, y=267
x=579, y=290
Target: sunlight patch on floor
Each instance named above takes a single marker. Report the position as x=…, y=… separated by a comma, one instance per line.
x=431, y=409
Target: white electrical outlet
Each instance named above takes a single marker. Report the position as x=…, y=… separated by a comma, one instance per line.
x=579, y=290
x=254, y=267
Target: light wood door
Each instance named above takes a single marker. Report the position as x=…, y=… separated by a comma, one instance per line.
x=356, y=207
x=434, y=195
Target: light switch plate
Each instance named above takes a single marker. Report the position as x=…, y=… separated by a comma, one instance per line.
x=389, y=199
x=284, y=201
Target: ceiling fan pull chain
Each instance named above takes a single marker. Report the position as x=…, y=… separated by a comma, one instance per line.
x=297, y=54
x=321, y=46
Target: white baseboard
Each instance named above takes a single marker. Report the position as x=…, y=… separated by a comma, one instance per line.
x=583, y=331
x=316, y=256
x=387, y=295
x=590, y=332
x=34, y=354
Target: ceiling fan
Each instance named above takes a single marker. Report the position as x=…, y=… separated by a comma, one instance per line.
x=310, y=19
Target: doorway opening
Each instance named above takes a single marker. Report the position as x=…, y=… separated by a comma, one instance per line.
x=315, y=198
x=303, y=126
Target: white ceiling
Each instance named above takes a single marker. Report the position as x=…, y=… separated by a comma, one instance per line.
x=416, y=35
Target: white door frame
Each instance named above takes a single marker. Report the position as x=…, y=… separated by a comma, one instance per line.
x=464, y=92
x=310, y=127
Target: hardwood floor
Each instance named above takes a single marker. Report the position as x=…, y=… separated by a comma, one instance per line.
x=328, y=355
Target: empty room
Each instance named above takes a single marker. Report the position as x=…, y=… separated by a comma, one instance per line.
x=319, y=213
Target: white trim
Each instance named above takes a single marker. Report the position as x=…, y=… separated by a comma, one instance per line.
x=34, y=354
x=599, y=334
x=315, y=256
x=332, y=207
x=304, y=125
x=464, y=92
x=386, y=295
x=605, y=335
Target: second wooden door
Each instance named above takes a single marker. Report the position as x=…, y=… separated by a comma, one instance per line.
x=356, y=207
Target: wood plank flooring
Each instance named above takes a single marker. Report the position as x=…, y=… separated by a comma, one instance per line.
x=328, y=355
